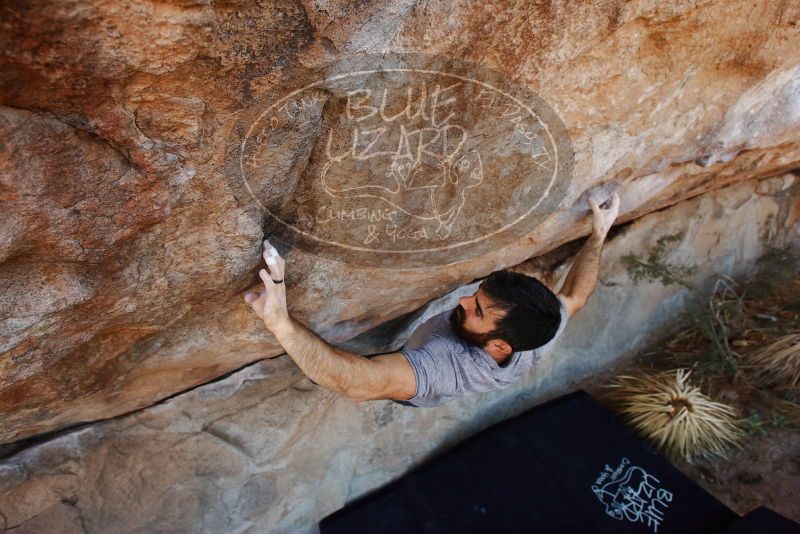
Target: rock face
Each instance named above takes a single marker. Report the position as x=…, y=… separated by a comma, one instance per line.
x=264, y=450
x=126, y=237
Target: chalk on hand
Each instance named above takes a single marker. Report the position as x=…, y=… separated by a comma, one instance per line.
x=273, y=251
x=271, y=261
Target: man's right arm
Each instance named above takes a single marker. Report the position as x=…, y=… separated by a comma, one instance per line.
x=388, y=376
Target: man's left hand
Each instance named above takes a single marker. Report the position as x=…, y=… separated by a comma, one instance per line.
x=270, y=303
x=603, y=218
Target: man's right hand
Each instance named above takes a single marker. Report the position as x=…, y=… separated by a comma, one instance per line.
x=270, y=303
x=603, y=218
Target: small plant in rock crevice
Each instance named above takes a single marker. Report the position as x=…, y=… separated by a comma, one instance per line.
x=654, y=267
x=674, y=415
x=735, y=341
x=710, y=314
x=777, y=366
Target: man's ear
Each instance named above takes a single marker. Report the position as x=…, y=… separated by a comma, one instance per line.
x=501, y=346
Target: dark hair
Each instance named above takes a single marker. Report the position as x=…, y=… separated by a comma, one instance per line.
x=533, y=312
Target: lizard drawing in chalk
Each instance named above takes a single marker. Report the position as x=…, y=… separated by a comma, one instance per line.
x=427, y=177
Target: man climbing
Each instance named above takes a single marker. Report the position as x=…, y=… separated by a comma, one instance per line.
x=488, y=341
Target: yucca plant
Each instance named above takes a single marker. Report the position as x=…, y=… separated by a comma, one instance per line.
x=677, y=417
x=776, y=365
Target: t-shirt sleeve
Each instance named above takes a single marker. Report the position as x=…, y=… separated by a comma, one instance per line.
x=434, y=369
x=564, y=318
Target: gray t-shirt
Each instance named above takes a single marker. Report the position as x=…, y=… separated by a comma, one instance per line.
x=447, y=367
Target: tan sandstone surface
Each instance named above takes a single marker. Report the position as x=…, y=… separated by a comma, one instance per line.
x=125, y=242
x=264, y=450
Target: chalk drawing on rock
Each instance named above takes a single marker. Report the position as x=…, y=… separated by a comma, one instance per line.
x=404, y=160
x=422, y=184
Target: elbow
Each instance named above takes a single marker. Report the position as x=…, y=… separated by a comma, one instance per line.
x=346, y=388
x=364, y=394
x=577, y=295
x=357, y=394
x=573, y=304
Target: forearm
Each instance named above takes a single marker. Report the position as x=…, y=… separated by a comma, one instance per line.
x=583, y=274
x=331, y=368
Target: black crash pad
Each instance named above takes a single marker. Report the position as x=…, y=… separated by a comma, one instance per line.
x=567, y=467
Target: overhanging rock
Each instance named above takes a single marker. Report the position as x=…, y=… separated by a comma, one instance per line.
x=125, y=243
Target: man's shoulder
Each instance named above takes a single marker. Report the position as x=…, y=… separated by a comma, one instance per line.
x=437, y=324
x=438, y=342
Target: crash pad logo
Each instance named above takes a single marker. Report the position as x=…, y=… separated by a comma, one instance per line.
x=629, y=493
x=405, y=159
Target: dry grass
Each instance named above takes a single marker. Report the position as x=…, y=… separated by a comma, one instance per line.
x=776, y=365
x=674, y=415
x=735, y=340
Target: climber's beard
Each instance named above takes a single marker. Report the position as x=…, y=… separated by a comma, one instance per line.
x=457, y=318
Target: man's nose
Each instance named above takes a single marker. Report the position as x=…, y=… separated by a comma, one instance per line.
x=464, y=302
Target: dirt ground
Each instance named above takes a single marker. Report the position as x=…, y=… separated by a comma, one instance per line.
x=750, y=313
x=765, y=472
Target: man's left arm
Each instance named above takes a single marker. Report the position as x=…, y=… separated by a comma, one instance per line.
x=388, y=376
x=582, y=277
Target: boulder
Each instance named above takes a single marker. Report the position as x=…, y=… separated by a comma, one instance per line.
x=265, y=450
x=128, y=233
